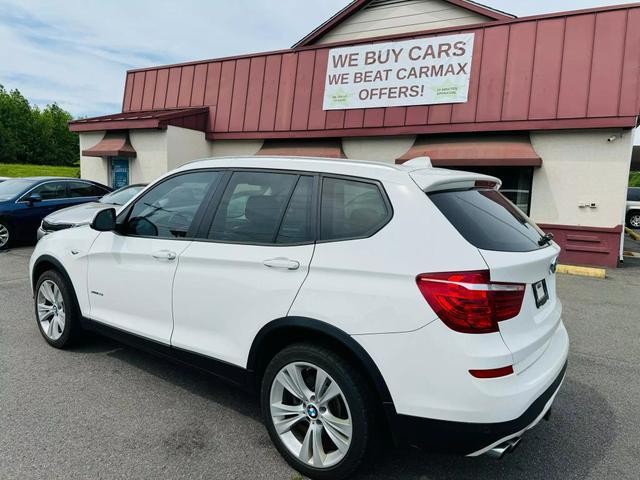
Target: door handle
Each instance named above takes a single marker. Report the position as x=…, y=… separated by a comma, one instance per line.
x=281, y=262
x=164, y=255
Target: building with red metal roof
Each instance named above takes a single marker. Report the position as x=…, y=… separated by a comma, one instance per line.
x=547, y=103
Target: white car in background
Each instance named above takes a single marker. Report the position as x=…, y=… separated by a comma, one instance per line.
x=79, y=215
x=355, y=298
x=2, y=179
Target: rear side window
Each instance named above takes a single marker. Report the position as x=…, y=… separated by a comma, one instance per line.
x=351, y=209
x=252, y=207
x=487, y=220
x=633, y=194
x=83, y=189
x=297, y=224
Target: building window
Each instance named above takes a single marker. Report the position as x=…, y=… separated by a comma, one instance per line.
x=118, y=172
x=516, y=183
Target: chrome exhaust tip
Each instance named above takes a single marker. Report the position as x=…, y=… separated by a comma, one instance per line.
x=501, y=450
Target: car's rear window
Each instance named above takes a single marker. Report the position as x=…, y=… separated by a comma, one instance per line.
x=487, y=220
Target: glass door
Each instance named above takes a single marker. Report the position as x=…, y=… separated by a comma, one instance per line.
x=119, y=167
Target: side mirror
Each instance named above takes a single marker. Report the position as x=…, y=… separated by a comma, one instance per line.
x=105, y=220
x=34, y=198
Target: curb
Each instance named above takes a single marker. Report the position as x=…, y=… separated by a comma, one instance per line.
x=631, y=233
x=582, y=271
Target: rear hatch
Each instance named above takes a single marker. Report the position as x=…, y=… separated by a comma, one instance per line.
x=515, y=250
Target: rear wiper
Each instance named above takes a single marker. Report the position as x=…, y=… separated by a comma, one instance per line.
x=545, y=239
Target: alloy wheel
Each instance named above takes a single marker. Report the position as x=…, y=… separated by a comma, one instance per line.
x=634, y=220
x=51, y=312
x=311, y=415
x=4, y=235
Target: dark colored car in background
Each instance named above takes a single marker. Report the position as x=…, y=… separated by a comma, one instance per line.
x=79, y=215
x=24, y=202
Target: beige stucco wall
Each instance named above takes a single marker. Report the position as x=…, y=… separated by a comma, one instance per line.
x=158, y=151
x=92, y=168
x=388, y=18
x=185, y=145
x=581, y=167
x=380, y=149
x=222, y=148
x=151, y=159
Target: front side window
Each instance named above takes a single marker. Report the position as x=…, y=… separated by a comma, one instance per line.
x=51, y=191
x=85, y=189
x=351, y=209
x=168, y=209
x=252, y=207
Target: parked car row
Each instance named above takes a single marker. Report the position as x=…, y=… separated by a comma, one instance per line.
x=83, y=214
x=34, y=206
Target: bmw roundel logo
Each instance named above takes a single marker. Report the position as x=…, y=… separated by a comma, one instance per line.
x=312, y=411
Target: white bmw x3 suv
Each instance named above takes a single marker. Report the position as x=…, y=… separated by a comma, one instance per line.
x=356, y=298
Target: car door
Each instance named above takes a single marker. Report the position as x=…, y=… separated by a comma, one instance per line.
x=131, y=270
x=36, y=204
x=257, y=245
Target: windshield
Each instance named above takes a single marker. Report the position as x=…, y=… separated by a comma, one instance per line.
x=12, y=188
x=122, y=196
x=488, y=220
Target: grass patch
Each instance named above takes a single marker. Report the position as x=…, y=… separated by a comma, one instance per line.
x=27, y=170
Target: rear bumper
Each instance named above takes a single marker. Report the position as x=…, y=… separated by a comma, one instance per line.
x=469, y=438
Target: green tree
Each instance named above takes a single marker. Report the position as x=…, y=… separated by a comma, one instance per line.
x=31, y=135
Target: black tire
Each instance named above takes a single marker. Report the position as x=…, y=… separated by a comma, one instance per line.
x=5, y=226
x=360, y=398
x=72, y=331
x=633, y=219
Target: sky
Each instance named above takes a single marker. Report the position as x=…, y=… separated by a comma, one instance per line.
x=76, y=52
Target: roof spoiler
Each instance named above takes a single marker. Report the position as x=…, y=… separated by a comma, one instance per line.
x=417, y=163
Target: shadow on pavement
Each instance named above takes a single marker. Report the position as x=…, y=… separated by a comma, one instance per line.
x=563, y=447
x=195, y=381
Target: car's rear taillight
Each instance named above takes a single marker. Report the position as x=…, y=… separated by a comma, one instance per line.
x=469, y=302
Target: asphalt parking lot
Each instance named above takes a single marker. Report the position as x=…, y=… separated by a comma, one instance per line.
x=108, y=411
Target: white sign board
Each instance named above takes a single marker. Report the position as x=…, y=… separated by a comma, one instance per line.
x=412, y=72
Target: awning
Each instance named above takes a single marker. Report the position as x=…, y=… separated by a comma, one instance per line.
x=328, y=148
x=194, y=118
x=475, y=151
x=113, y=144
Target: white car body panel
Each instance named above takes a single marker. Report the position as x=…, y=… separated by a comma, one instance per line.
x=130, y=289
x=427, y=372
x=371, y=286
x=241, y=295
x=70, y=248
